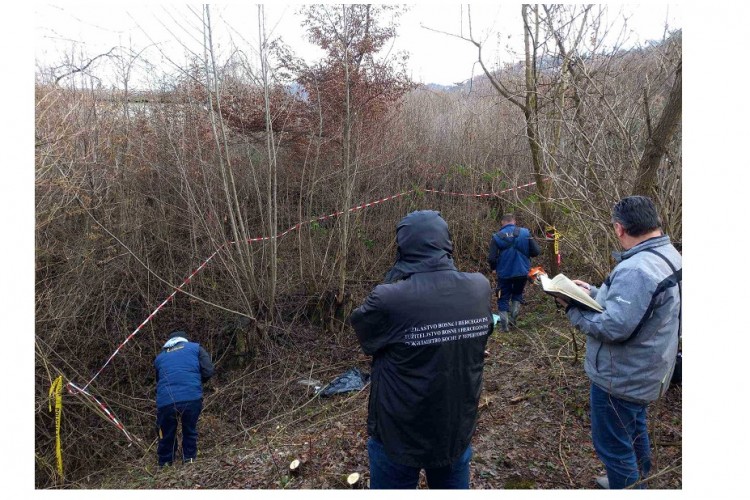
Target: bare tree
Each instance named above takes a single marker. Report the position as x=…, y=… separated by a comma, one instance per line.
x=530, y=107
x=272, y=182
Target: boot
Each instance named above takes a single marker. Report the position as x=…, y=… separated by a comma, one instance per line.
x=515, y=308
x=503, y=321
x=602, y=482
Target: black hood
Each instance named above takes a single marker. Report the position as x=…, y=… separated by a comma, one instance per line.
x=424, y=244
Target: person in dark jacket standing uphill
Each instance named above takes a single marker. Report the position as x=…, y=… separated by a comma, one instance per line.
x=426, y=329
x=631, y=347
x=510, y=251
x=181, y=367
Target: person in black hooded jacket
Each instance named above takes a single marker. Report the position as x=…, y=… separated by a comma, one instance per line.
x=426, y=329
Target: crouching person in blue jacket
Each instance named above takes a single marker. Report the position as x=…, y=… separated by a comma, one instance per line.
x=426, y=329
x=181, y=368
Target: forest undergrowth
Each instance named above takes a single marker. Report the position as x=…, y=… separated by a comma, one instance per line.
x=533, y=430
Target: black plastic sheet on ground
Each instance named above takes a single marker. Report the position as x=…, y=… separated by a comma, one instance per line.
x=351, y=380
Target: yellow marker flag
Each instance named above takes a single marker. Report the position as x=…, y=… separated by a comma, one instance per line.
x=55, y=391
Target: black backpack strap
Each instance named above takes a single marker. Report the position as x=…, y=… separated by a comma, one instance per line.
x=678, y=275
x=504, y=241
x=501, y=245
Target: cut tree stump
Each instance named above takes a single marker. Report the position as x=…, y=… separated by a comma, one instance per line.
x=294, y=467
x=353, y=479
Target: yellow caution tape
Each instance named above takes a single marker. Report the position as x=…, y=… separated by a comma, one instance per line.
x=556, y=236
x=55, y=391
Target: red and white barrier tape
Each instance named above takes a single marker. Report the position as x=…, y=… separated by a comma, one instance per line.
x=324, y=217
x=481, y=195
x=73, y=388
x=171, y=296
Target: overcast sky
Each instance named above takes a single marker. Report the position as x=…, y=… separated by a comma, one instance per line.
x=61, y=27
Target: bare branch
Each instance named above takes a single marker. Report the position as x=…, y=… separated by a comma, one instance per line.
x=84, y=67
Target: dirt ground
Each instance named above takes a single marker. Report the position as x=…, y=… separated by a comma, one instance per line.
x=533, y=429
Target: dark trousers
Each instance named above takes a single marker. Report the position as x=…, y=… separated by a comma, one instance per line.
x=167, y=418
x=618, y=429
x=510, y=289
x=387, y=474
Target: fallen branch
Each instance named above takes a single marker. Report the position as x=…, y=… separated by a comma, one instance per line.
x=518, y=399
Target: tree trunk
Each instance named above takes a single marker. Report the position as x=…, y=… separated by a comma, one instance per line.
x=348, y=159
x=645, y=183
x=531, y=114
x=272, y=184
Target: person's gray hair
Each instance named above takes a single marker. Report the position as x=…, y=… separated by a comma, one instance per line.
x=637, y=215
x=507, y=218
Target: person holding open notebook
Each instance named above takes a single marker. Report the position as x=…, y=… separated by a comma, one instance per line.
x=631, y=346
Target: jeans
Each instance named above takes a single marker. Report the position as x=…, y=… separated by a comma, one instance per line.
x=510, y=289
x=618, y=430
x=386, y=474
x=166, y=421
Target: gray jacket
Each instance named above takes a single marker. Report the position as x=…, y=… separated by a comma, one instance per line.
x=631, y=347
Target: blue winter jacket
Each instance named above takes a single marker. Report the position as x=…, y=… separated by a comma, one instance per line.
x=509, y=254
x=180, y=371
